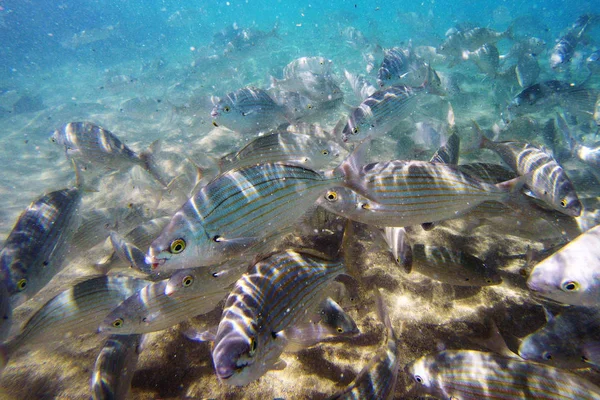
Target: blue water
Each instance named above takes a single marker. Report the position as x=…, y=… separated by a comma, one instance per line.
x=146, y=70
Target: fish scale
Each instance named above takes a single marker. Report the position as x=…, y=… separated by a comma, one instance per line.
x=273, y=295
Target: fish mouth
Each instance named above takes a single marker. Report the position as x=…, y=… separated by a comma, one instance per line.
x=214, y=113
x=155, y=262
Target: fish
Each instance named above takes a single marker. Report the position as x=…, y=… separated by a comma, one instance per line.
x=546, y=178
x=204, y=279
x=334, y=323
x=35, y=249
x=569, y=275
x=562, y=341
x=151, y=310
x=89, y=36
x=589, y=155
x=377, y=380
x=299, y=107
x=74, y=311
x=248, y=110
x=405, y=193
x=564, y=49
x=383, y=110
x=487, y=58
x=318, y=88
x=235, y=211
x=527, y=46
x=448, y=153
x=475, y=375
x=313, y=65
x=273, y=295
x=445, y=264
x=291, y=148
x=360, y=86
x=129, y=253
x=527, y=70
x=470, y=39
x=115, y=366
x=592, y=62
x=89, y=143
x=401, y=67
x=548, y=94
x=241, y=40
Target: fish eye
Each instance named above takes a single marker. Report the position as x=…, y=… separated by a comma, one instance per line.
x=310, y=106
x=365, y=206
x=53, y=140
x=325, y=152
x=187, y=281
x=117, y=323
x=418, y=379
x=355, y=130
x=570, y=286
x=22, y=284
x=177, y=246
x=340, y=330
x=226, y=109
x=252, y=346
x=331, y=196
x=217, y=238
x=488, y=280
x=547, y=356
x=563, y=203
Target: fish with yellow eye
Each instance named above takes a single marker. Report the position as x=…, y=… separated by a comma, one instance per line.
x=273, y=295
x=38, y=243
x=546, y=179
x=248, y=110
x=570, y=275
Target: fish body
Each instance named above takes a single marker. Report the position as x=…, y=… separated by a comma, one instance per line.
x=235, y=211
x=395, y=65
x=405, y=193
x=320, y=89
x=562, y=341
x=269, y=298
x=91, y=144
x=527, y=70
x=470, y=39
x=293, y=148
x=528, y=46
x=474, y=375
x=248, y=110
x=76, y=310
x=35, y=248
x=115, y=366
x=487, y=58
x=314, y=65
x=589, y=155
x=570, y=275
x=360, y=86
x=377, y=380
x=129, y=253
x=546, y=178
x=204, y=279
x=564, y=49
x=448, y=153
x=444, y=264
x=151, y=309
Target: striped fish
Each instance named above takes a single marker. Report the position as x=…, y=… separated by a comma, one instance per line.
x=248, y=110
x=291, y=148
x=546, y=178
x=570, y=275
x=405, y=193
x=151, y=310
x=235, y=211
x=589, y=155
x=377, y=380
x=474, y=375
x=115, y=366
x=91, y=144
x=74, y=311
x=380, y=113
x=36, y=247
x=204, y=279
x=272, y=296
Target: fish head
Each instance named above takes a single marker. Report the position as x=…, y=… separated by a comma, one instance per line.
x=341, y=201
x=327, y=153
x=181, y=244
x=557, y=279
x=357, y=126
x=419, y=373
x=536, y=347
x=181, y=281
x=223, y=110
x=18, y=281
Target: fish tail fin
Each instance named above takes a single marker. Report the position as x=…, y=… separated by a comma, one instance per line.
x=432, y=83
x=509, y=33
x=350, y=168
x=482, y=142
x=149, y=162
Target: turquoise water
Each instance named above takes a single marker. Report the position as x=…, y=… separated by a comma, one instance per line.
x=147, y=70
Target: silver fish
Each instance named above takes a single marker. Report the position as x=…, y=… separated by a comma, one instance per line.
x=35, y=248
x=377, y=380
x=129, y=253
x=565, y=46
x=272, y=296
x=318, y=88
x=235, y=211
x=204, y=279
x=569, y=275
x=586, y=154
x=115, y=366
x=151, y=310
x=74, y=311
x=89, y=143
x=562, y=341
x=487, y=58
x=545, y=177
x=314, y=65
x=248, y=110
x=397, y=65
x=473, y=375
x=292, y=148
x=470, y=39
x=444, y=264
x=360, y=86
x=527, y=70
x=528, y=46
